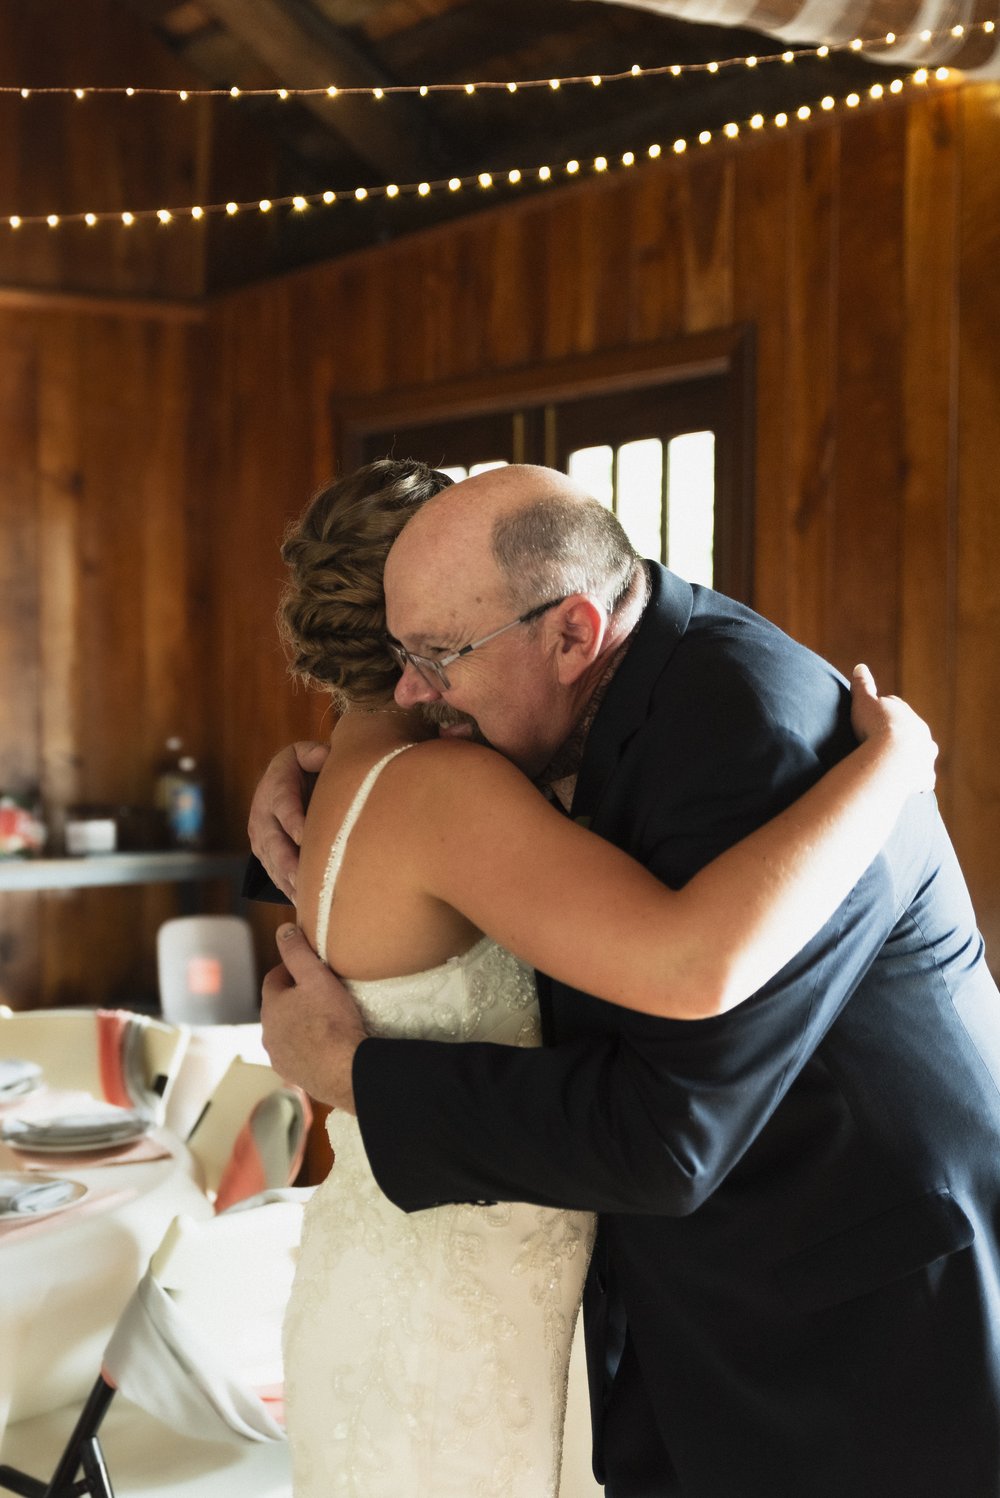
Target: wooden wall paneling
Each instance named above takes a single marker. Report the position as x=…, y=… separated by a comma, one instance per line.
x=707, y=241
x=654, y=225
x=929, y=418
x=319, y=317
x=258, y=474
x=20, y=667
x=604, y=265
x=975, y=781
x=515, y=301
x=103, y=154
x=176, y=576
x=809, y=378
x=115, y=396
x=366, y=329
x=761, y=274
x=864, y=549
x=60, y=975
x=565, y=250
x=264, y=474
x=121, y=642
x=471, y=293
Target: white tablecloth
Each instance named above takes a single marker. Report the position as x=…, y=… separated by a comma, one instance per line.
x=64, y=1280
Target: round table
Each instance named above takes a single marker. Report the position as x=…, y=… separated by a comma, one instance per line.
x=65, y=1279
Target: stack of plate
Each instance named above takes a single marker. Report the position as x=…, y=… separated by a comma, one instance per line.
x=75, y=1133
x=36, y=1196
x=17, y=1077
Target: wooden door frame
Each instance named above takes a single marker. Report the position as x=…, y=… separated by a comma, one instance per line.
x=727, y=352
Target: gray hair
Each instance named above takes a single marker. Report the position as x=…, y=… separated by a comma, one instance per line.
x=557, y=546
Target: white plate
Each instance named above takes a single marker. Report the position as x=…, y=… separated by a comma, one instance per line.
x=83, y=1135
x=76, y=1194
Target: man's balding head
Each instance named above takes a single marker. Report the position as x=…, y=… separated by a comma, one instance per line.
x=510, y=580
x=522, y=532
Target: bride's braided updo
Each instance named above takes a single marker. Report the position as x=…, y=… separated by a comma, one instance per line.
x=332, y=612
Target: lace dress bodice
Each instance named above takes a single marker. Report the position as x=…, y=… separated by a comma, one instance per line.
x=427, y=1353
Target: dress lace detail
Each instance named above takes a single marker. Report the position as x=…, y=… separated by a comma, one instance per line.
x=427, y=1354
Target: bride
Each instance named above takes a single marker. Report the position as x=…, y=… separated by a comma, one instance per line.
x=427, y=1354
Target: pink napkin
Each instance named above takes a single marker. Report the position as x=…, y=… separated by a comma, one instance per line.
x=112, y=1028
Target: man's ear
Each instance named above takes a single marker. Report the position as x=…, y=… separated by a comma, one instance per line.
x=579, y=625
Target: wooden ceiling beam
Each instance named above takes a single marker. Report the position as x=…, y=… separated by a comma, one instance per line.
x=304, y=50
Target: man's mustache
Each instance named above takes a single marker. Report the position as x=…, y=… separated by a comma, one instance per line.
x=440, y=715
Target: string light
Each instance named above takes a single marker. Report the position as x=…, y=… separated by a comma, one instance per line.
x=484, y=179
x=381, y=91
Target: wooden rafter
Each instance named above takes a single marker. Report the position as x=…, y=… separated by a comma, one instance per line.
x=305, y=50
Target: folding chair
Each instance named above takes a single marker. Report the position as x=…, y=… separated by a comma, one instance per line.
x=252, y=1134
x=199, y=1344
x=125, y=1058
x=210, y=1049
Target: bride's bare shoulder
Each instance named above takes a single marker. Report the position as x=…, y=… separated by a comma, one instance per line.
x=453, y=773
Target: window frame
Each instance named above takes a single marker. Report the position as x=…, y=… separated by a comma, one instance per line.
x=524, y=408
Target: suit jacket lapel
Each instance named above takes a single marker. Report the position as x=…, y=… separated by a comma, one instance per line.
x=626, y=704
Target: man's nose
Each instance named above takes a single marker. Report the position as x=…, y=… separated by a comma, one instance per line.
x=411, y=688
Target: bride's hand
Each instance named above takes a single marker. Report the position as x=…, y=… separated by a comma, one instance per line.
x=890, y=718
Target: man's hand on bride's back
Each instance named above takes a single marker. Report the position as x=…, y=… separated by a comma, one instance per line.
x=310, y=1024
x=890, y=717
x=278, y=810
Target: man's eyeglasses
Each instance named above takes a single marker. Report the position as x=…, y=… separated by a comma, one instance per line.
x=432, y=669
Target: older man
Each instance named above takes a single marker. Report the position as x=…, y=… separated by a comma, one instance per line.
x=794, y=1292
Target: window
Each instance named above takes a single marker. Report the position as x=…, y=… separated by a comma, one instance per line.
x=668, y=455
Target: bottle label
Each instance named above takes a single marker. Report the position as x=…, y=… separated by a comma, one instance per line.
x=186, y=813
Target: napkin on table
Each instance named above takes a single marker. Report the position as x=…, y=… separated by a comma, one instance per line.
x=27, y=1197
x=17, y=1077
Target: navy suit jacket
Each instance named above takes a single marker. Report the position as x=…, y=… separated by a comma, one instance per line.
x=800, y=1198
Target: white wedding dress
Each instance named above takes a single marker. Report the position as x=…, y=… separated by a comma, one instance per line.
x=427, y=1354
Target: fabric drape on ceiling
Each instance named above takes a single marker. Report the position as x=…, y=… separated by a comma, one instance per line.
x=975, y=51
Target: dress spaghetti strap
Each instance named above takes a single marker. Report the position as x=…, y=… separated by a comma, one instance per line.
x=336, y=857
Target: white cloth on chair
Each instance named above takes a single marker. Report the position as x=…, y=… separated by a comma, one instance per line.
x=199, y=1344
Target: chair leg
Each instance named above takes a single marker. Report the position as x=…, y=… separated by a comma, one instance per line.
x=83, y=1449
x=19, y=1482
x=95, y=1470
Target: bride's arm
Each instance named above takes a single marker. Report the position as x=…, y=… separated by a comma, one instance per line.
x=482, y=840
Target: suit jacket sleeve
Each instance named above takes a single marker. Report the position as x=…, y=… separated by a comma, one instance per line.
x=257, y=885
x=634, y=1114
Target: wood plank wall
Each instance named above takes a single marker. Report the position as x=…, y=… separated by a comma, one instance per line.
x=104, y=596
x=864, y=254
x=150, y=462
